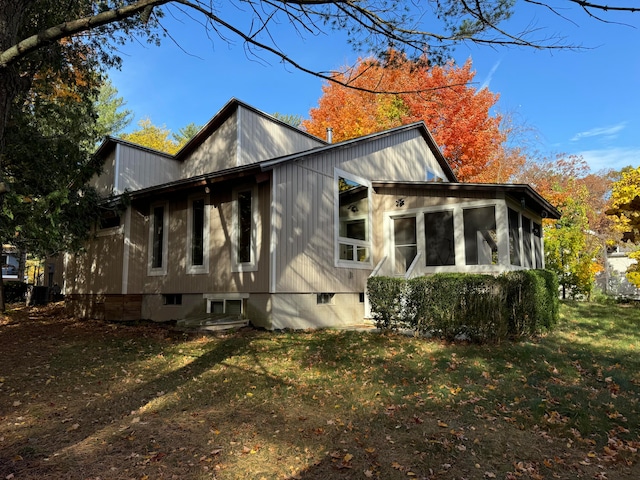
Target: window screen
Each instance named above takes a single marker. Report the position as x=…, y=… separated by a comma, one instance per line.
x=439, y=239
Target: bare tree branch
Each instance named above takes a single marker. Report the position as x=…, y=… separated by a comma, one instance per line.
x=73, y=27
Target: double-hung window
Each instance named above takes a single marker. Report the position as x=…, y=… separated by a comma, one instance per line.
x=353, y=215
x=246, y=230
x=158, y=239
x=198, y=236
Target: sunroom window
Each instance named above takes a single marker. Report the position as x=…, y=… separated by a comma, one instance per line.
x=439, y=239
x=405, y=241
x=526, y=242
x=514, y=237
x=537, y=245
x=480, y=236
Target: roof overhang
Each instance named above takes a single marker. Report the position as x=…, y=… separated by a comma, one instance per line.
x=521, y=193
x=191, y=183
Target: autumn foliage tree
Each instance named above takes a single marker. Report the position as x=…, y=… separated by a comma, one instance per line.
x=396, y=90
x=624, y=208
x=160, y=138
x=573, y=244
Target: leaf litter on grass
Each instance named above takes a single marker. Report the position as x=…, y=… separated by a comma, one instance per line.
x=89, y=399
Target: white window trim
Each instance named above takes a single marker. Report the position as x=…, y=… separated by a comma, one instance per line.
x=223, y=297
x=337, y=239
x=458, y=231
x=165, y=241
x=256, y=231
x=204, y=268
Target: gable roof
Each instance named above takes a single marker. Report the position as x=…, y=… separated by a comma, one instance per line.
x=267, y=165
x=222, y=116
x=421, y=127
x=109, y=143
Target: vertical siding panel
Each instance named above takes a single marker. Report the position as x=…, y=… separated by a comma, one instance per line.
x=138, y=252
x=262, y=138
x=401, y=157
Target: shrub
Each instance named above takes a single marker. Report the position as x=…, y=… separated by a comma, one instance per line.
x=470, y=306
x=15, y=292
x=387, y=294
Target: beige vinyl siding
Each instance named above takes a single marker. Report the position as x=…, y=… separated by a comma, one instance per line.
x=260, y=138
x=137, y=169
x=303, y=223
x=137, y=245
x=220, y=277
x=98, y=270
x=105, y=182
x=217, y=152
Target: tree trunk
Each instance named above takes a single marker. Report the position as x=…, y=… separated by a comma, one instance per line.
x=11, y=17
x=22, y=264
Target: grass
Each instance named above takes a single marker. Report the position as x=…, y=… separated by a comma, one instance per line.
x=88, y=400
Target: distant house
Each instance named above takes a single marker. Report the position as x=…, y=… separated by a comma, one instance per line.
x=613, y=280
x=10, y=262
x=256, y=218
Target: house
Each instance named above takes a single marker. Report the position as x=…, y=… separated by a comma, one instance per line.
x=256, y=218
x=613, y=280
x=10, y=262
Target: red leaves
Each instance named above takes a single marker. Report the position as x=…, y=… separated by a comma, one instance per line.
x=457, y=114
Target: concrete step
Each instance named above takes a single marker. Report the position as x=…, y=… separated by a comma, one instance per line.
x=211, y=323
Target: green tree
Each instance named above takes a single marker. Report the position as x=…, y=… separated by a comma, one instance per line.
x=112, y=118
x=289, y=118
x=570, y=251
x=46, y=162
x=573, y=244
x=186, y=133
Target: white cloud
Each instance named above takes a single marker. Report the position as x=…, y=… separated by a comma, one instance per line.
x=609, y=132
x=487, y=80
x=611, y=158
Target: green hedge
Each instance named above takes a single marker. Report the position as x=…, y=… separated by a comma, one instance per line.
x=15, y=292
x=476, y=307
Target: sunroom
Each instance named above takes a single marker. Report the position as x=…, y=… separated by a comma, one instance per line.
x=426, y=228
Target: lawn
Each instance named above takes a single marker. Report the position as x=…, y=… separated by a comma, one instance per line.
x=94, y=400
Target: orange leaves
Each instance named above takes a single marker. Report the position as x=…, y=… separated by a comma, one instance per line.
x=457, y=114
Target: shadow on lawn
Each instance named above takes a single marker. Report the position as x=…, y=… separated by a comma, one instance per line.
x=244, y=392
x=54, y=434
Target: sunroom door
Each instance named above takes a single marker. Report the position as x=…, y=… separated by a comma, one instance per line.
x=405, y=247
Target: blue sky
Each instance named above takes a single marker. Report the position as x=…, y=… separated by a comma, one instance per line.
x=583, y=101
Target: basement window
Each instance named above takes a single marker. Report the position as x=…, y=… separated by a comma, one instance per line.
x=172, y=299
x=226, y=306
x=325, y=298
